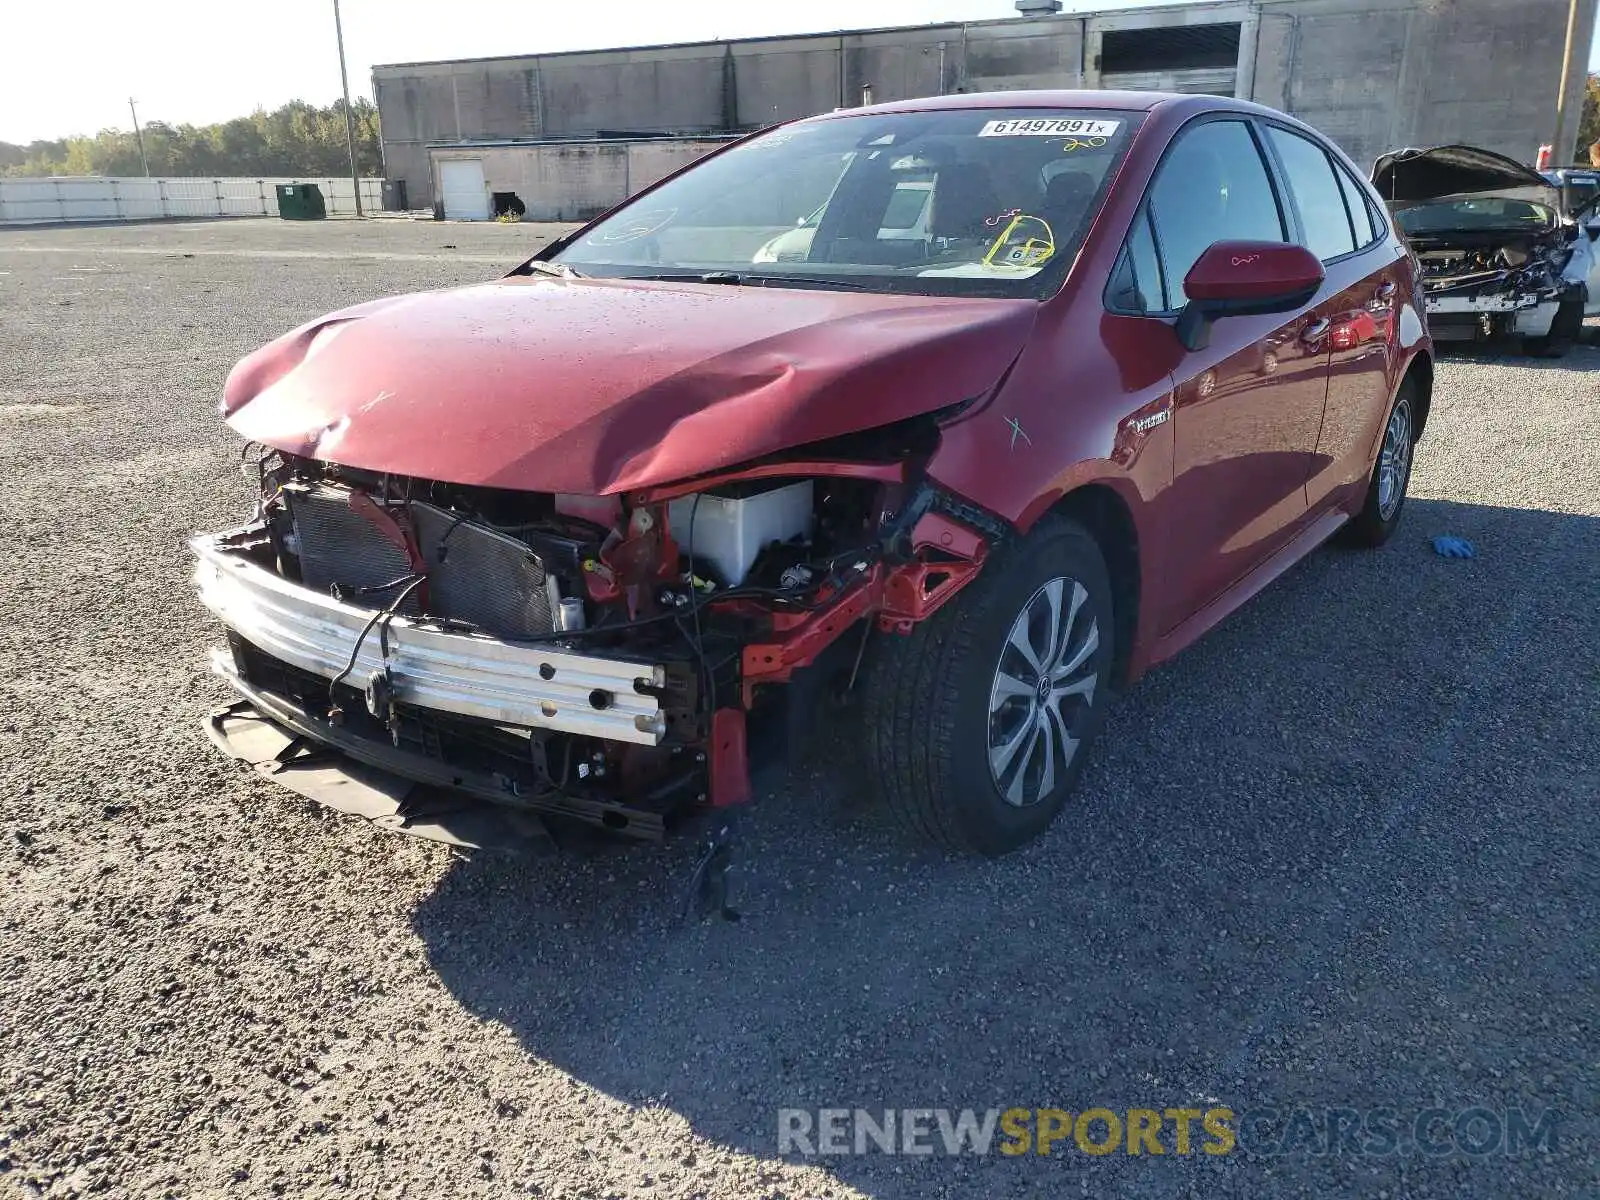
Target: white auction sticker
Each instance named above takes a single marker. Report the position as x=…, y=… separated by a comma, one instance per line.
x=1050, y=127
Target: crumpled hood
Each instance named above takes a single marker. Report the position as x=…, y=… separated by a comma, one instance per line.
x=1421, y=176
x=596, y=386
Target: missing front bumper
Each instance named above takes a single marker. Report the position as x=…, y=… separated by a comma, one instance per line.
x=387, y=712
x=402, y=791
x=534, y=685
x=391, y=802
x=1478, y=318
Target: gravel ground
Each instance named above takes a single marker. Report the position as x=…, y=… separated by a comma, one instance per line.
x=1340, y=854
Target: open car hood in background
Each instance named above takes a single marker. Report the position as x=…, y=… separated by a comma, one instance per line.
x=593, y=386
x=1421, y=176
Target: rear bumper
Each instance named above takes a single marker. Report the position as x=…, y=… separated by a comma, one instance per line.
x=532, y=685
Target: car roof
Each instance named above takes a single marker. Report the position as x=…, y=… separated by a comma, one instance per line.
x=1054, y=98
x=1180, y=105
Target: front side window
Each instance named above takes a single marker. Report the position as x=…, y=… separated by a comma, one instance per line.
x=956, y=201
x=1212, y=187
x=1316, y=193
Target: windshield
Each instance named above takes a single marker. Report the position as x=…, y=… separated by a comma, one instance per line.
x=1483, y=212
x=953, y=202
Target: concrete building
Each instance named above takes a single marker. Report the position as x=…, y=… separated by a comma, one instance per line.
x=573, y=133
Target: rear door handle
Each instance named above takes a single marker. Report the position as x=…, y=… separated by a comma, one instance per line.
x=1315, y=331
x=1386, y=291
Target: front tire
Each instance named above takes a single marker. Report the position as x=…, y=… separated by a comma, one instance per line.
x=978, y=721
x=1565, y=330
x=1391, y=474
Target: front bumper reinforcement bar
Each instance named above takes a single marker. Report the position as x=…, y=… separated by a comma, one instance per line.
x=534, y=685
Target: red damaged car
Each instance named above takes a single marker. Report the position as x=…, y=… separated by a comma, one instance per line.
x=975, y=406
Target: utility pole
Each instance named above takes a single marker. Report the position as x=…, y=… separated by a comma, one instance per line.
x=140, y=136
x=1560, y=145
x=349, y=117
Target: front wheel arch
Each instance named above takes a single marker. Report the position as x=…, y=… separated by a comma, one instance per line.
x=1107, y=517
x=928, y=694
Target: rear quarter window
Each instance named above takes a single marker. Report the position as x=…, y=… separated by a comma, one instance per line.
x=1362, y=217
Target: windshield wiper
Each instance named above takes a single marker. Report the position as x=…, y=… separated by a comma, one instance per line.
x=734, y=279
x=559, y=270
x=822, y=281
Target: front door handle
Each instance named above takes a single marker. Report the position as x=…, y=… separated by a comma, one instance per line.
x=1315, y=331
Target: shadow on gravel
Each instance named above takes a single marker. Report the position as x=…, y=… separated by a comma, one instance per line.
x=1214, y=918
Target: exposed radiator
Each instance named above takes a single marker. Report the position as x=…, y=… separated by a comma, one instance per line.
x=336, y=545
x=475, y=574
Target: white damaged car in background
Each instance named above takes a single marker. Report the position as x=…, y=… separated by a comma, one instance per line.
x=1500, y=258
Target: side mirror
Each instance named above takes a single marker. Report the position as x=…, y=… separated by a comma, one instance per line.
x=1238, y=279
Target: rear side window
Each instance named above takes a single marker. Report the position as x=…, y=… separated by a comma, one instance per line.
x=1316, y=192
x=1355, y=200
x=1212, y=187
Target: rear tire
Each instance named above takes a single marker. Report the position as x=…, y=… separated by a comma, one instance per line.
x=1391, y=474
x=979, y=720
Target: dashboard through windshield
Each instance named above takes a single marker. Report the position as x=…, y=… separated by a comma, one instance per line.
x=948, y=202
x=1491, y=212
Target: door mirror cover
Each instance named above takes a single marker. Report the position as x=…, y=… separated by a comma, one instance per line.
x=1240, y=278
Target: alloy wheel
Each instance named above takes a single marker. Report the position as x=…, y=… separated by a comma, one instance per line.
x=1044, y=685
x=1394, y=460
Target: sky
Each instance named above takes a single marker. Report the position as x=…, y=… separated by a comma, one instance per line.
x=69, y=66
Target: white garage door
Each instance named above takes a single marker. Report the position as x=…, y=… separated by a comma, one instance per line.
x=461, y=186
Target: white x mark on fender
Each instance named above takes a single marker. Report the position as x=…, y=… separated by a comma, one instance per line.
x=1017, y=432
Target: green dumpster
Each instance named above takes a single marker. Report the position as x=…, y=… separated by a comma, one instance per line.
x=301, y=202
